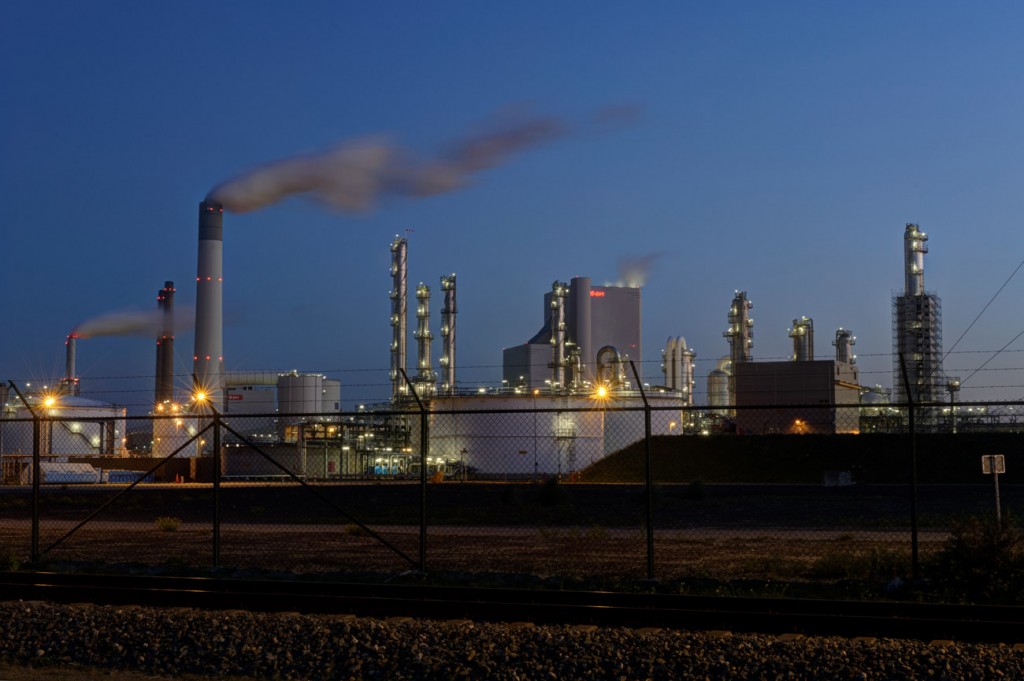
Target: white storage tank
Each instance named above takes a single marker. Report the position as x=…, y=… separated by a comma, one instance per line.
x=332, y=396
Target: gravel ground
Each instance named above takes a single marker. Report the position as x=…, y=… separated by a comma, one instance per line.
x=171, y=642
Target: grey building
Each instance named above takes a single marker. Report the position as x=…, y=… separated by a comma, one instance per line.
x=817, y=396
x=594, y=317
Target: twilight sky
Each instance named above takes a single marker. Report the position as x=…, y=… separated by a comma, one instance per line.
x=777, y=148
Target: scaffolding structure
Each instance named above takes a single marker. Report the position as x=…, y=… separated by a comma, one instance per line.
x=917, y=328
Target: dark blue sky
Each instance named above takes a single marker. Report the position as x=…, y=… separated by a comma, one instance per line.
x=778, y=148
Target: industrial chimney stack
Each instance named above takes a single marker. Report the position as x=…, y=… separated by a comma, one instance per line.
x=70, y=383
x=164, y=391
x=208, y=359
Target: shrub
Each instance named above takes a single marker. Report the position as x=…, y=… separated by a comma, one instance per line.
x=9, y=560
x=982, y=561
x=353, y=530
x=168, y=524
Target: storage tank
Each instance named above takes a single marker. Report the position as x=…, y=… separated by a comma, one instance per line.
x=332, y=396
x=718, y=384
x=299, y=394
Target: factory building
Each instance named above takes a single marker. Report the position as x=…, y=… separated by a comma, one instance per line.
x=917, y=328
x=800, y=396
x=784, y=397
x=587, y=319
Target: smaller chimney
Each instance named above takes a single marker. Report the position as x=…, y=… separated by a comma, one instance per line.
x=70, y=382
x=165, y=345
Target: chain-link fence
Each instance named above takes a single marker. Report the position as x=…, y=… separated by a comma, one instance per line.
x=589, y=489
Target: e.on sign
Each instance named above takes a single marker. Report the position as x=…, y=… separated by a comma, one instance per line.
x=596, y=294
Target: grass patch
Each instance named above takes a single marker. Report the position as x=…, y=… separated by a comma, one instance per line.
x=168, y=524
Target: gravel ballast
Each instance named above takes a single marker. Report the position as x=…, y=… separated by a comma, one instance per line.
x=291, y=646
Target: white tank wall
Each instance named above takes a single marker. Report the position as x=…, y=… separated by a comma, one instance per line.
x=71, y=434
x=170, y=434
x=523, y=443
x=300, y=394
x=331, y=401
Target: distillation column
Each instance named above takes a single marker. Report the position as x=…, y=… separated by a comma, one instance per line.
x=426, y=378
x=917, y=329
x=914, y=248
x=399, y=303
x=802, y=334
x=559, y=290
x=844, y=342
x=448, y=335
x=740, y=336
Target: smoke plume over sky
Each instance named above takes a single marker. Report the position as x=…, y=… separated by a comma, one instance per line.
x=355, y=174
x=146, y=323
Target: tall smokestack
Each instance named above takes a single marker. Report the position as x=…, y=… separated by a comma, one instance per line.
x=399, y=303
x=208, y=359
x=165, y=345
x=70, y=381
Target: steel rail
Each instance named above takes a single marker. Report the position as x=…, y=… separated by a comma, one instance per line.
x=965, y=623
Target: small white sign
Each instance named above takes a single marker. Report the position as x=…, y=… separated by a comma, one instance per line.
x=993, y=463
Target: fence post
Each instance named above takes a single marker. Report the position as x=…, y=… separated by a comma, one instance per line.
x=216, y=488
x=424, y=450
x=648, y=475
x=36, y=474
x=915, y=565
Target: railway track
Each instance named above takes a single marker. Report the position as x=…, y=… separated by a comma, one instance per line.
x=1002, y=624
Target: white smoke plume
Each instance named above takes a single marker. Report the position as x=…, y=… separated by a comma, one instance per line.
x=357, y=173
x=634, y=271
x=134, y=323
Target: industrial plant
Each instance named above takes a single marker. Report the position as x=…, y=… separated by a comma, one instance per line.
x=563, y=393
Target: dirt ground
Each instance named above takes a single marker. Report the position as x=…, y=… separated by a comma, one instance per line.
x=571, y=552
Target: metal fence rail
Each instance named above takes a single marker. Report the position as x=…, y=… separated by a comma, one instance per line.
x=798, y=493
